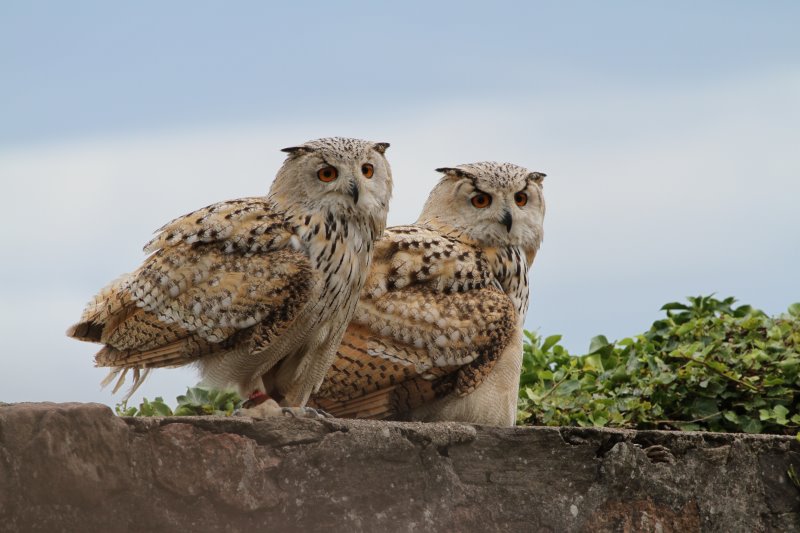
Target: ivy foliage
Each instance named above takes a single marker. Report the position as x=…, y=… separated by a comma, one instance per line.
x=706, y=366
x=197, y=401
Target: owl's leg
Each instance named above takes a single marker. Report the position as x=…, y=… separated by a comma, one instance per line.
x=257, y=397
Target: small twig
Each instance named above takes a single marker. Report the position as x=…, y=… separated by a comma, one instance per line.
x=675, y=422
x=554, y=387
x=721, y=373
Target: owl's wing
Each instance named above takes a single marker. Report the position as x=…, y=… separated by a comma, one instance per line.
x=221, y=277
x=431, y=321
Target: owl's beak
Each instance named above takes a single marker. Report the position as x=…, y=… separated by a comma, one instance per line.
x=507, y=220
x=354, y=191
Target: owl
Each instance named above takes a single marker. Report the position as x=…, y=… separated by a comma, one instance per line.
x=257, y=292
x=437, y=334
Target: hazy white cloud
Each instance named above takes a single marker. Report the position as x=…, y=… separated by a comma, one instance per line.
x=651, y=195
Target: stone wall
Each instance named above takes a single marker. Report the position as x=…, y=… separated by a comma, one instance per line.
x=77, y=467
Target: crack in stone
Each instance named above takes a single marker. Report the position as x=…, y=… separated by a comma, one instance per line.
x=261, y=432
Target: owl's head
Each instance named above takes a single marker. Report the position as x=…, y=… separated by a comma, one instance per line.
x=494, y=204
x=344, y=176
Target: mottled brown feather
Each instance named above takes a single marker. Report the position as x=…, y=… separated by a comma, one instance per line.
x=431, y=321
x=214, y=275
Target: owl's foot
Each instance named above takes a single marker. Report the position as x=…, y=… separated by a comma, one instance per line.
x=305, y=412
x=265, y=408
x=259, y=405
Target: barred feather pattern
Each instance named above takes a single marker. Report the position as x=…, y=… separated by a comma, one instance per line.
x=434, y=317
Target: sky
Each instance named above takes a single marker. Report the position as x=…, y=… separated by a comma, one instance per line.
x=668, y=132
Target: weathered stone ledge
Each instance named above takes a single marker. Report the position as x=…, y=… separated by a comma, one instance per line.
x=77, y=467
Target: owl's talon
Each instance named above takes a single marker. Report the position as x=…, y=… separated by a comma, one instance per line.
x=269, y=408
x=305, y=412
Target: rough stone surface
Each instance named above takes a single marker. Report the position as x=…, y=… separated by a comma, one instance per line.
x=77, y=467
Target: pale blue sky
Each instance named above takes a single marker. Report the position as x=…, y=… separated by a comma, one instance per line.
x=95, y=68
x=668, y=131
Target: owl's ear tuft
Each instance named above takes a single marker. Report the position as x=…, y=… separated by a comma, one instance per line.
x=455, y=172
x=297, y=150
x=537, y=177
x=380, y=147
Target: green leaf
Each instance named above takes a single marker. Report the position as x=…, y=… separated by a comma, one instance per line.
x=794, y=309
x=592, y=362
x=779, y=412
x=751, y=425
x=549, y=342
x=568, y=387
x=671, y=306
x=686, y=328
x=666, y=378
x=598, y=343
x=161, y=409
x=731, y=416
x=598, y=420
x=546, y=375
x=185, y=410
x=704, y=407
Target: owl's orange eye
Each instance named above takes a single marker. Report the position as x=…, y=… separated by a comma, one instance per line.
x=481, y=200
x=327, y=174
x=521, y=198
x=368, y=170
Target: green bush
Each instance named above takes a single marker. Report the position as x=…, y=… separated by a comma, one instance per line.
x=197, y=401
x=705, y=366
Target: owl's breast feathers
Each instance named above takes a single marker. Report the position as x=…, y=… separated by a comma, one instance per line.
x=432, y=320
x=232, y=274
x=339, y=248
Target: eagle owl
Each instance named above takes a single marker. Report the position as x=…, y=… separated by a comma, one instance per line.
x=257, y=292
x=437, y=334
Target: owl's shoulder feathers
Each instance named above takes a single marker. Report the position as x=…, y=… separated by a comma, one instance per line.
x=220, y=276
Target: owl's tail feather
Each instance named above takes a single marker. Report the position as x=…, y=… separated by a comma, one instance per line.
x=176, y=353
x=110, y=300
x=86, y=331
x=141, y=363
x=119, y=373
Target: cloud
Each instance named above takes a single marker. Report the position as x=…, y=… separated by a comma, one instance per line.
x=652, y=195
